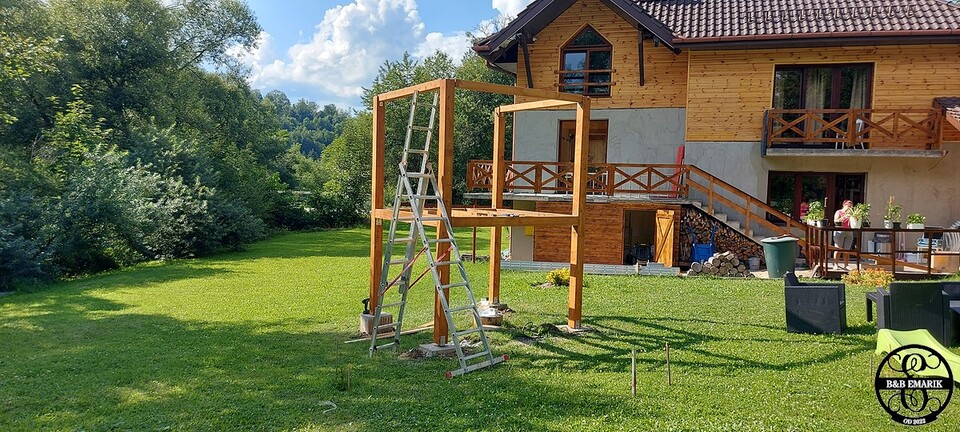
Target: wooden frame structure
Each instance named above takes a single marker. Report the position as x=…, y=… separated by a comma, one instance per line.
x=496, y=216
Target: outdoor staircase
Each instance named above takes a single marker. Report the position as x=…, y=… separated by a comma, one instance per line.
x=730, y=223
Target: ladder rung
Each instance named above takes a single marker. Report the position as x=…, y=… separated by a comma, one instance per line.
x=389, y=305
x=403, y=261
x=425, y=197
x=420, y=128
x=461, y=309
x=470, y=332
x=483, y=364
x=418, y=151
x=477, y=355
x=418, y=175
x=432, y=218
x=443, y=263
x=454, y=285
x=387, y=345
x=404, y=240
x=442, y=240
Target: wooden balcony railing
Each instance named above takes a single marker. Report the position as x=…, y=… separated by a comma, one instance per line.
x=661, y=180
x=905, y=129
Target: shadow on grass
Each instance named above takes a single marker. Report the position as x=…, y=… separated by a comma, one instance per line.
x=616, y=336
x=79, y=362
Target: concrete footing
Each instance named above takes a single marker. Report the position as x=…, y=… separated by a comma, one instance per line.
x=434, y=350
x=577, y=330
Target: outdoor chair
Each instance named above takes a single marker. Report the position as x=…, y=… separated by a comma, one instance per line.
x=912, y=306
x=814, y=307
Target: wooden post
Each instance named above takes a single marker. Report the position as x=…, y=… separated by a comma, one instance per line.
x=633, y=372
x=496, y=202
x=445, y=183
x=376, y=201
x=669, y=379
x=575, y=300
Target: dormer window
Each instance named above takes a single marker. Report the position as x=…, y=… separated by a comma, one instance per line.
x=587, y=64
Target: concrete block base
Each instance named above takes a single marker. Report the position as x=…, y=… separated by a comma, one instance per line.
x=434, y=350
x=578, y=330
x=499, y=306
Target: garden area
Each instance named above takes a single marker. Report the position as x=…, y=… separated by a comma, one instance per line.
x=254, y=340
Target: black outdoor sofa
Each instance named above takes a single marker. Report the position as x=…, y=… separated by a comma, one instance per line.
x=918, y=305
x=814, y=307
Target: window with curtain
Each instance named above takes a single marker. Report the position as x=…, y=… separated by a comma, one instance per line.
x=821, y=87
x=587, y=63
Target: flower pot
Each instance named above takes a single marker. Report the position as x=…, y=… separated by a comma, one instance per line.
x=914, y=226
x=822, y=223
x=855, y=223
x=896, y=225
x=887, y=224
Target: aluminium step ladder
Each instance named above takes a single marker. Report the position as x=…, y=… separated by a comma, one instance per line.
x=418, y=188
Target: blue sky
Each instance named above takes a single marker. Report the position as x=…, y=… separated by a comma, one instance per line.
x=326, y=50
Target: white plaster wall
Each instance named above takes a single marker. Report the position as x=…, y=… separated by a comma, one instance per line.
x=650, y=135
x=521, y=245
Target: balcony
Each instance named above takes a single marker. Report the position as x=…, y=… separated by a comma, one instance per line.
x=664, y=180
x=853, y=132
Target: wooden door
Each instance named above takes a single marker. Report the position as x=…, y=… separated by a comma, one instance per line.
x=663, y=250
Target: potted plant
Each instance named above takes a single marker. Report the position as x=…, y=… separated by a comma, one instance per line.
x=892, y=217
x=815, y=214
x=915, y=221
x=860, y=215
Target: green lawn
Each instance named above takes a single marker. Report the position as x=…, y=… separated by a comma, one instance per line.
x=254, y=341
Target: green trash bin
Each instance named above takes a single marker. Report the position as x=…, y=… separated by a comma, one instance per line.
x=780, y=254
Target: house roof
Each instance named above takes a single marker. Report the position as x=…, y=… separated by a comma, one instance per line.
x=951, y=107
x=731, y=20
x=701, y=23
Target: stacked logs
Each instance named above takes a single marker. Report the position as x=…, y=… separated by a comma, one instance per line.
x=727, y=238
x=723, y=264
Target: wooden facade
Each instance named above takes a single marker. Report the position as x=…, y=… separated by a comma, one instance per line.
x=729, y=90
x=604, y=233
x=665, y=73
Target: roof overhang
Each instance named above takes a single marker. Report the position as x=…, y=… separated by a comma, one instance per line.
x=541, y=13
x=906, y=37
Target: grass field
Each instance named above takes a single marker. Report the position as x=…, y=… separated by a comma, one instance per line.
x=254, y=341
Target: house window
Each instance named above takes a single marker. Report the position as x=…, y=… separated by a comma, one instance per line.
x=587, y=62
x=821, y=87
x=792, y=192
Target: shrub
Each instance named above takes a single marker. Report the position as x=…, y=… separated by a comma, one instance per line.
x=559, y=277
x=869, y=278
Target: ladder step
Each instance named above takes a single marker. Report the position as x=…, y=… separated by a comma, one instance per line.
x=418, y=175
x=443, y=263
x=461, y=309
x=469, y=332
x=441, y=240
x=389, y=305
x=454, y=285
x=425, y=197
x=387, y=345
x=417, y=151
x=477, y=355
x=420, y=128
x=404, y=240
x=481, y=365
x=403, y=261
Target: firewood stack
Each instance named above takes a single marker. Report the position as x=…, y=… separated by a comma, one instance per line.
x=723, y=264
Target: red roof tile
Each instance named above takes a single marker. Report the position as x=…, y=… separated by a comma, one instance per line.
x=774, y=19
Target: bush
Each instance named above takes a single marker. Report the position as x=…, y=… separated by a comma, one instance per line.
x=869, y=278
x=559, y=277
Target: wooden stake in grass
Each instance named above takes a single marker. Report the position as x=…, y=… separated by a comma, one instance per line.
x=669, y=381
x=633, y=372
x=348, y=377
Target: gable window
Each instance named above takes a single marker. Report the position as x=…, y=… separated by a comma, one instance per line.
x=587, y=62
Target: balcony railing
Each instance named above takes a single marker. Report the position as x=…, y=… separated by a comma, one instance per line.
x=878, y=129
x=653, y=180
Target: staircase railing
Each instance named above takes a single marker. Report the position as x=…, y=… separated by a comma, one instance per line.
x=654, y=180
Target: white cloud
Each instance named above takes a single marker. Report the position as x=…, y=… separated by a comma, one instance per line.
x=454, y=45
x=510, y=8
x=347, y=49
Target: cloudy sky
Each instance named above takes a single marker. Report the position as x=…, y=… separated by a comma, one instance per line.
x=326, y=50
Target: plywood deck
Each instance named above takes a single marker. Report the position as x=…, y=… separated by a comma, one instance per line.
x=481, y=217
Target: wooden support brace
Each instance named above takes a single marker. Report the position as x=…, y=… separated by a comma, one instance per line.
x=526, y=58
x=496, y=202
x=577, y=232
x=376, y=201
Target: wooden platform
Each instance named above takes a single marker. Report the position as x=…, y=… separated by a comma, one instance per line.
x=485, y=217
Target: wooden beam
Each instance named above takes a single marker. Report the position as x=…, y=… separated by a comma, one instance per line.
x=496, y=201
x=526, y=106
x=468, y=217
x=408, y=91
x=376, y=201
x=577, y=232
x=526, y=59
x=445, y=183
x=518, y=91
x=640, y=47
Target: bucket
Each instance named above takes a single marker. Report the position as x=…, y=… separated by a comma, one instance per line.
x=754, y=263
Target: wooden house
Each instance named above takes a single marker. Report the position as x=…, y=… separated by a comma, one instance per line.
x=744, y=110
